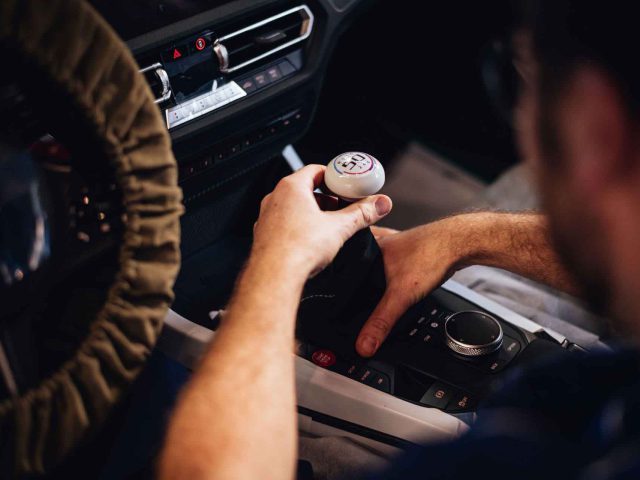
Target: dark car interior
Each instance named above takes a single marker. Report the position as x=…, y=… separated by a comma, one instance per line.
x=250, y=90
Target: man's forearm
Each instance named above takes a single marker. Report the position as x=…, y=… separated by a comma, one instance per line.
x=519, y=243
x=236, y=418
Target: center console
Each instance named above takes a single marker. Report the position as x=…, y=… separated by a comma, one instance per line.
x=237, y=82
x=446, y=354
x=449, y=351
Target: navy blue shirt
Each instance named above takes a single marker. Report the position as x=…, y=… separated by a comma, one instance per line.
x=578, y=417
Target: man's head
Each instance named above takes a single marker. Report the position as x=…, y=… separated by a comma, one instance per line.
x=578, y=119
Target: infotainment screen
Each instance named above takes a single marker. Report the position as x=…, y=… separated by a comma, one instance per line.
x=132, y=18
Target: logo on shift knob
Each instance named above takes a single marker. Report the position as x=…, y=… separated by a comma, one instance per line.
x=354, y=175
x=353, y=163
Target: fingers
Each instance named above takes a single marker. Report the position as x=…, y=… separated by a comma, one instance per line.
x=376, y=329
x=311, y=176
x=363, y=213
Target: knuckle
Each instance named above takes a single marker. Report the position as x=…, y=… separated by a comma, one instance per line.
x=364, y=215
x=379, y=325
x=286, y=183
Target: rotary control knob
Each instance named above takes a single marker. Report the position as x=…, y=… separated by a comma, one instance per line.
x=472, y=333
x=354, y=175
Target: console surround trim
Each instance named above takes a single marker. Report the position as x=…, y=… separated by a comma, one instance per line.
x=329, y=393
x=326, y=392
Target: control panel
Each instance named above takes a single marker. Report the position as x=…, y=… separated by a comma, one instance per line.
x=445, y=352
x=209, y=69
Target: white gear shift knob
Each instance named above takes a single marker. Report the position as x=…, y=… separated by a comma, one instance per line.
x=354, y=175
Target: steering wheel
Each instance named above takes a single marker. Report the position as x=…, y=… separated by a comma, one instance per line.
x=85, y=83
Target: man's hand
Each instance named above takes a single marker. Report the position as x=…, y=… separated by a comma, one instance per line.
x=416, y=261
x=419, y=260
x=237, y=417
x=294, y=228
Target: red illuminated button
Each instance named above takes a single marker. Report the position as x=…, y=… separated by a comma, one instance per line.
x=323, y=358
x=175, y=53
x=200, y=43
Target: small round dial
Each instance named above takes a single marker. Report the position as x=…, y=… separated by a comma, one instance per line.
x=472, y=333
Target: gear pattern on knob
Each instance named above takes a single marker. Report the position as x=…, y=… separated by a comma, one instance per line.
x=354, y=175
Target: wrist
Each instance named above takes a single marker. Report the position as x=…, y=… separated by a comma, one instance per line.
x=266, y=295
x=280, y=262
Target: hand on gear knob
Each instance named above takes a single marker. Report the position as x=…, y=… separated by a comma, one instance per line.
x=354, y=175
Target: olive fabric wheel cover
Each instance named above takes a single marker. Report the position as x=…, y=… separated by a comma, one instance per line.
x=85, y=59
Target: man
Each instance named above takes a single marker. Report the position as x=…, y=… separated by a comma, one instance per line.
x=578, y=119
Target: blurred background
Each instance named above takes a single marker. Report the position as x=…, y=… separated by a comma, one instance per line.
x=444, y=146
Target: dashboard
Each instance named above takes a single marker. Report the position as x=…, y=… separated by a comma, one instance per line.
x=231, y=76
x=236, y=82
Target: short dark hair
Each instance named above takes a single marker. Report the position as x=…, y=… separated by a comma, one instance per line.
x=567, y=33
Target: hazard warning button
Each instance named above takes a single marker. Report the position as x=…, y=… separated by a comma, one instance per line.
x=175, y=53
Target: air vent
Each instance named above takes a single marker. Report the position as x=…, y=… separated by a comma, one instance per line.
x=158, y=80
x=252, y=43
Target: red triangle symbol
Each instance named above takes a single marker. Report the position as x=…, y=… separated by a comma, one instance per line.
x=176, y=53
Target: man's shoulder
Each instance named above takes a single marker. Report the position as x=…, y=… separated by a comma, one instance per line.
x=571, y=380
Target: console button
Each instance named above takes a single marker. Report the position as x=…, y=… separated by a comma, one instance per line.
x=366, y=374
x=379, y=381
x=261, y=80
x=493, y=365
x=274, y=73
x=200, y=44
x=175, y=115
x=438, y=395
x=353, y=370
x=248, y=85
x=286, y=68
x=461, y=401
x=435, y=325
x=510, y=347
x=323, y=358
x=413, y=332
x=175, y=53
x=426, y=337
x=235, y=148
x=501, y=359
x=206, y=163
x=432, y=311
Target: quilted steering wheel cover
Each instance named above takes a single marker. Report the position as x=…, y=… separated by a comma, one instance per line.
x=84, y=58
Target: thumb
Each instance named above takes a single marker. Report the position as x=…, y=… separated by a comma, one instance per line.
x=376, y=329
x=364, y=213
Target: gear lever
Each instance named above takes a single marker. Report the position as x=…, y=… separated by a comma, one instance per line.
x=354, y=175
x=355, y=278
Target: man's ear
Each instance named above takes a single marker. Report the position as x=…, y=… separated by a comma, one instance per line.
x=598, y=133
